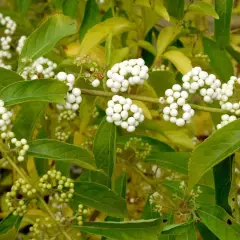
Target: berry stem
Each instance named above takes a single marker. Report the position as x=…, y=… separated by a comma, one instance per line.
x=23, y=175
x=149, y=99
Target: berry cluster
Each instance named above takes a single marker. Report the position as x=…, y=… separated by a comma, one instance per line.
x=202, y=56
x=20, y=44
x=81, y=213
x=227, y=102
x=18, y=198
x=128, y=72
x=7, y=55
x=178, y=111
x=226, y=119
x=10, y=28
x=73, y=98
x=38, y=229
x=124, y=113
x=21, y=147
x=141, y=149
x=67, y=115
x=40, y=68
x=5, y=118
x=61, y=187
x=209, y=86
x=9, y=24
x=6, y=43
x=163, y=67
x=60, y=134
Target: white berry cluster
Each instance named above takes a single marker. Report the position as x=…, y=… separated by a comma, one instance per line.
x=195, y=81
x=81, y=213
x=10, y=25
x=61, y=187
x=5, y=120
x=18, y=198
x=20, y=44
x=5, y=41
x=73, y=97
x=177, y=111
x=208, y=85
x=40, y=68
x=21, y=147
x=124, y=113
x=226, y=119
x=226, y=101
x=5, y=55
x=129, y=72
x=40, y=226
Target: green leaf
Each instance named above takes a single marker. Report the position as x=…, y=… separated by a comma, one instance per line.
x=181, y=62
x=104, y=148
x=203, y=8
x=44, y=38
x=141, y=230
x=70, y=8
x=177, y=161
x=177, y=229
x=38, y=90
x=206, y=234
x=27, y=118
x=212, y=151
x=207, y=196
x=189, y=233
x=60, y=151
x=234, y=53
x=42, y=165
x=121, y=185
x=222, y=180
x=8, y=77
x=9, y=222
x=92, y=16
x=147, y=46
x=223, y=24
x=94, y=176
x=23, y=6
x=165, y=38
x=175, y=10
x=161, y=80
x=219, y=59
x=101, y=198
x=219, y=222
x=100, y=32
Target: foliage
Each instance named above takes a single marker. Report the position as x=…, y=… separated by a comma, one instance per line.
x=78, y=78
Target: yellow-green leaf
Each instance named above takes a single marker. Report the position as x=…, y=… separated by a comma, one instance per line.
x=165, y=37
x=203, y=8
x=161, y=10
x=181, y=62
x=100, y=32
x=147, y=46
